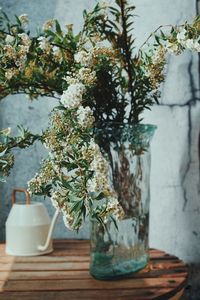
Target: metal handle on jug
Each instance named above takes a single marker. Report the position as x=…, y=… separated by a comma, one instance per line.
x=28, y=199
x=51, y=228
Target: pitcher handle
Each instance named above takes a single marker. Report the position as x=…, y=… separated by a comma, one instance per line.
x=53, y=222
x=28, y=199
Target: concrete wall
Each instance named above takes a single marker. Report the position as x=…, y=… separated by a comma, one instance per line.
x=175, y=180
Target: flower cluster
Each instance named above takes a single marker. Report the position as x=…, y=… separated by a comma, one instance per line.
x=177, y=41
x=99, y=181
x=85, y=116
x=97, y=78
x=33, y=65
x=73, y=96
x=185, y=38
x=76, y=174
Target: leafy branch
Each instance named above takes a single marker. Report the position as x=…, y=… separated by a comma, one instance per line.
x=8, y=143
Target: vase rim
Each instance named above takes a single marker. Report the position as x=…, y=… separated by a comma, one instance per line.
x=120, y=124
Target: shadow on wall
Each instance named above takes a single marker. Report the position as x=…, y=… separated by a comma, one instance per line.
x=191, y=205
x=189, y=235
x=175, y=182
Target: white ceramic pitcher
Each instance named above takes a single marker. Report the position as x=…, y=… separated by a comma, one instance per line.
x=29, y=228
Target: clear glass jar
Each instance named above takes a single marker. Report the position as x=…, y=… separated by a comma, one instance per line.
x=121, y=251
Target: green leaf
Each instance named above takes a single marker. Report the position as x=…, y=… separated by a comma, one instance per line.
x=114, y=9
x=100, y=196
x=157, y=39
x=60, y=107
x=130, y=8
x=85, y=14
x=84, y=211
x=67, y=185
x=115, y=222
x=113, y=25
x=74, y=198
x=50, y=33
x=3, y=152
x=18, y=20
x=5, y=16
x=77, y=206
x=162, y=34
x=58, y=28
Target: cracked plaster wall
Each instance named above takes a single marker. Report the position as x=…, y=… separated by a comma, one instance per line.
x=175, y=182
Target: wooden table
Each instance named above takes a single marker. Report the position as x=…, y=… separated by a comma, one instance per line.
x=64, y=275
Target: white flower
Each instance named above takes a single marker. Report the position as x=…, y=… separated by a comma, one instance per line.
x=157, y=54
x=20, y=63
x=83, y=57
x=9, y=39
x=57, y=54
x=23, y=19
x=58, y=197
x=88, y=151
x=86, y=75
x=10, y=73
x=94, y=146
x=172, y=48
x=104, y=9
x=189, y=44
x=72, y=97
x=93, y=185
x=181, y=35
x=85, y=116
x=54, y=200
x=48, y=24
x=68, y=220
x=113, y=207
x=55, y=50
x=24, y=49
x=99, y=164
x=9, y=51
x=192, y=45
x=70, y=79
x=99, y=182
x=43, y=43
x=6, y=131
x=196, y=46
x=25, y=39
x=103, y=4
x=34, y=185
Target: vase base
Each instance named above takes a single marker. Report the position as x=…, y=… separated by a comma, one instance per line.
x=120, y=270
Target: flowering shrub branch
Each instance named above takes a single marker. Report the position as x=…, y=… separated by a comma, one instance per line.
x=7, y=143
x=99, y=81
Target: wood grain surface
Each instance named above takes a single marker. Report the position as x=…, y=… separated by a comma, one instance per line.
x=64, y=275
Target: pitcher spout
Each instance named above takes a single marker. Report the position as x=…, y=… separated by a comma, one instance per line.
x=51, y=228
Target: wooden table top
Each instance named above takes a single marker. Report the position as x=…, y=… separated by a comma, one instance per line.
x=64, y=275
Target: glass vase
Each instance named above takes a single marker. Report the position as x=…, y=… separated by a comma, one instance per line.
x=119, y=251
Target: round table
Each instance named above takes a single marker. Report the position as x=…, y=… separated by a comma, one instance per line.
x=64, y=274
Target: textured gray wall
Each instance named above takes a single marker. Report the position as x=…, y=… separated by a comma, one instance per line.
x=175, y=180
